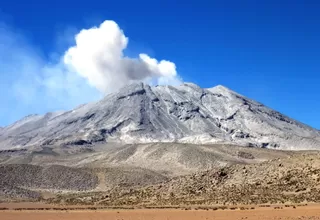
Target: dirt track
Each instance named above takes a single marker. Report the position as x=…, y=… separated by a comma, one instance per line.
x=301, y=213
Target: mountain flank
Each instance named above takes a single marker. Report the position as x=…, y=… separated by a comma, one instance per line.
x=139, y=113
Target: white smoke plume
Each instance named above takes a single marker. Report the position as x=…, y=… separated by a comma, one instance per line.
x=98, y=57
x=94, y=66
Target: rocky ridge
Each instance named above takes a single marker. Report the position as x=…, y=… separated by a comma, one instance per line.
x=139, y=113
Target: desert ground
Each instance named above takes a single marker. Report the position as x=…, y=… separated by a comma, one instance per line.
x=251, y=183
x=258, y=213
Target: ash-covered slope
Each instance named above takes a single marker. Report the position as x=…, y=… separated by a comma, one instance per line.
x=187, y=113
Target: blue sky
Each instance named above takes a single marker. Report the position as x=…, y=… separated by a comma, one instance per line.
x=266, y=50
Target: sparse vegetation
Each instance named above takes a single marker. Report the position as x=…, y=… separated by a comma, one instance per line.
x=275, y=185
x=294, y=182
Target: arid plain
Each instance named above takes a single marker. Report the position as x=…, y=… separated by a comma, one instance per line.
x=258, y=213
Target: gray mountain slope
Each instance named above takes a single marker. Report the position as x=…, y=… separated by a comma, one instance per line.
x=139, y=113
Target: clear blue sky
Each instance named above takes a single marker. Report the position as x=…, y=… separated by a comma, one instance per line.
x=267, y=50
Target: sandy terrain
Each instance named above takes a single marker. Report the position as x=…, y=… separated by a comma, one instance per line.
x=307, y=212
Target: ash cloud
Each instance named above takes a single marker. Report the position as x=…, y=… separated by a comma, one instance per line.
x=98, y=57
x=94, y=66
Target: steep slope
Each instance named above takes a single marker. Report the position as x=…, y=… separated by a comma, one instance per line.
x=140, y=114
